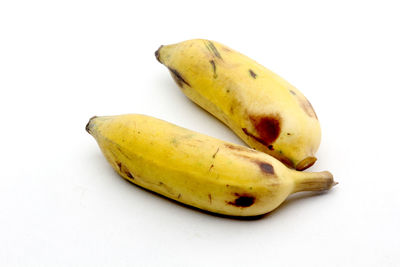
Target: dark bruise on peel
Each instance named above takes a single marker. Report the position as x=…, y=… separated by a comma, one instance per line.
x=266, y=167
x=213, y=49
x=292, y=92
x=253, y=74
x=212, y=62
x=178, y=77
x=253, y=136
x=268, y=128
x=129, y=175
x=124, y=170
x=209, y=198
x=242, y=201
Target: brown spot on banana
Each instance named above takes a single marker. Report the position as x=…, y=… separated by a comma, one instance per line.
x=246, y=132
x=178, y=77
x=211, y=47
x=212, y=166
x=266, y=167
x=214, y=67
x=119, y=164
x=268, y=129
x=253, y=74
x=124, y=170
x=242, y=201
x=215, y=154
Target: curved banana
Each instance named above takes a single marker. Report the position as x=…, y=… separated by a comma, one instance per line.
x=196, y=169
x=263, y=109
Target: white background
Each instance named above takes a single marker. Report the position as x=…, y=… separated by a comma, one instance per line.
x=61, y=62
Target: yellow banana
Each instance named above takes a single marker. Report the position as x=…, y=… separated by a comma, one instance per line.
x=263, y=109
x=196, y=169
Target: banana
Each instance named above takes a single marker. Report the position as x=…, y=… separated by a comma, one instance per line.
x=264, y=110
x=196, y=169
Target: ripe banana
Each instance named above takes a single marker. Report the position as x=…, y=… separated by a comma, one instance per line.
x=196, y=169
x=263, y=109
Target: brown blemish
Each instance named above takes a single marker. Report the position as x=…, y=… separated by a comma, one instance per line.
x=292, y=92
x=179, y=196
x=178, y=77
x=288, y=134
x=212, y=62
x=212, y=166
x=253, y=74
x=242, y=201
x=270, y=147
x=215, y=154
x=157, y=54
x=123, y=169
x=213, y=49
x=209, y=198
x=253, y=136
x=268, y=128
x=129, y=175
x=266, y=167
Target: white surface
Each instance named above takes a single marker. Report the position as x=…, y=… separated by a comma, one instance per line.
x=62, y=62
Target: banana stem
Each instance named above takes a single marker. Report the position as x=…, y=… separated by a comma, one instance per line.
x=313, y=181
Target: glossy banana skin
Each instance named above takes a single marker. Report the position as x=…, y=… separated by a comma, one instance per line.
x=196, y=169
x=263, y=109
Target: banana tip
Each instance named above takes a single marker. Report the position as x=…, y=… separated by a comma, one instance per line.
x=88, y=124
x=157, y=54
x=306, y=163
